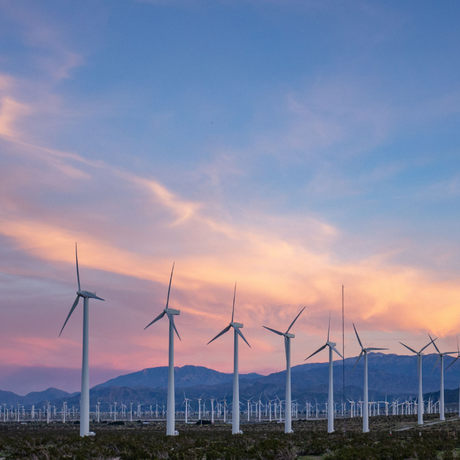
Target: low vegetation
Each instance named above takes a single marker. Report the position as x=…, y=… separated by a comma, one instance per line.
x=260, y=441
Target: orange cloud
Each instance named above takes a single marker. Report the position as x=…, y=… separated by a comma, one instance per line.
x=280, y=263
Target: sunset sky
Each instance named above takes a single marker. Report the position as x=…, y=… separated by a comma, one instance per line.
x=289, y=145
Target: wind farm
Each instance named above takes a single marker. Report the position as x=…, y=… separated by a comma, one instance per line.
x=152, y=153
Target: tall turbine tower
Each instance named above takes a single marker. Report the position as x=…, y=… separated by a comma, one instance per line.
x=364, y=352
x=171, y=406
x=458, y=356
x=287, y=345
x=441, y=391
x=330, y=398
x=236, y=388
x=419, y=372
x=84, y=403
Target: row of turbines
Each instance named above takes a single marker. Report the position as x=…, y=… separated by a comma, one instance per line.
x=170, y=410
x=211, y=410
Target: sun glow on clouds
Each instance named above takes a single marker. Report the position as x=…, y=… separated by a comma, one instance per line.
x=277, y=270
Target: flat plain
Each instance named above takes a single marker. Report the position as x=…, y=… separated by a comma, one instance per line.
x=392, y=437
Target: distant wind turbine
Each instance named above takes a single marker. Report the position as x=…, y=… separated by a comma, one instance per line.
x=441, y=390
x=364, y=352
x=84, y=404
x=236, y=389
x=287, y=345
x=419, y=371
x=171, y=406
x=330, y=399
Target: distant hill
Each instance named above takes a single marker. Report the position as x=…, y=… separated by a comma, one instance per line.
x=184, y=377
x=51, y=394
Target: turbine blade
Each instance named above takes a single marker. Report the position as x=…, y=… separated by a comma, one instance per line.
x=156, y=319
x=219, y=334
x=458, y=348
x=78, y=273
x=171, y=318
x=359, y=340
x=93, y=296
x=335, y=349
x=329, y=326
x=242, y=336
x=452, y=363
x=169, y=287
x=429, y=343
x=317, y=351
x=233, y=310
x=431, y=338
x=357, y=361
x=413, y=351
x=70, y=313
x=374, y=349
x=273, y=330
x=435, y=364
x=292, y=324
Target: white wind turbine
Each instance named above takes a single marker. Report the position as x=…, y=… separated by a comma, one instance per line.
x=330, y=399
x=287, y=345
x=84, y=403
x=419, y=371
x=171, y=406
x=236, y=389
x=458, y=356
x=364, y=352
x=441, y=391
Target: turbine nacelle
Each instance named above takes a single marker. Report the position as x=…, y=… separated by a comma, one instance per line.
x=169, y=312
x=364, y=351
x=80, y=293
x=287, y=334
x=88, y=295
x=236, y=326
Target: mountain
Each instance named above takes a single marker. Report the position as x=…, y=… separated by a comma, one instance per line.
x=390, y=376
x=184, y=377
x=51, y=394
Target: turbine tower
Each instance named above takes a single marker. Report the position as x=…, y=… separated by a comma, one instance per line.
x=441, y=391
x=419, y=371
x=458, y=356
x=236, y=388
x=287, y=345
x=171, y=406
x=84, y=403
x=364, y=352
x=330, y=398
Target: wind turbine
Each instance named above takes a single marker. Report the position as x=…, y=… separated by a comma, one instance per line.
x=419, y=371
x=364, y=352
x=330, y=398
x=287, y=345
x=171, y=406
x=458, y=356
x=236, y=388
x=84, y=403
x=441, y=391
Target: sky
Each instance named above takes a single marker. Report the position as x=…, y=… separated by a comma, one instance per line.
x=290, y=146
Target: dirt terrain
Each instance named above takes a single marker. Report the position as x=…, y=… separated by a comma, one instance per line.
x=394, y=437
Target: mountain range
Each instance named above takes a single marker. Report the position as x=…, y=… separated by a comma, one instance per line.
x=390, y=376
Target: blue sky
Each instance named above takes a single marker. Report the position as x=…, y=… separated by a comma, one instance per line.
x=292, y=146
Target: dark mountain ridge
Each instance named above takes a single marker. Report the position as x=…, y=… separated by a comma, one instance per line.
x=390, y=376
